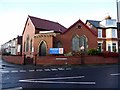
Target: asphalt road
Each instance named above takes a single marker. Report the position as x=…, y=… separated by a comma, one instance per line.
x=16, y=77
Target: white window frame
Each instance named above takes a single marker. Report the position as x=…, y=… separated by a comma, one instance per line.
x=114, y=33
x=99, y=33
x=111, y=46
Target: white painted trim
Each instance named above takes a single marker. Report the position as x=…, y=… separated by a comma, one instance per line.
x=110, y=43
x=100, y=33
x=100, y=41
x=46, y=31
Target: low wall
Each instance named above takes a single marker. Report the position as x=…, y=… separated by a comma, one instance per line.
x=53, y=60
x=14, y=59
x=62, y=60
x=100, y=60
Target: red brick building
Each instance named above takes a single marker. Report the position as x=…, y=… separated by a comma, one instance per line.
x=107, y=33
x=40, y=35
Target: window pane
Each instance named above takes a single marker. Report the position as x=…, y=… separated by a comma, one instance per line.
x=113, y=33
x=99, y=33
x=83, y=42
x=27, y=43
x=31, y=45
x=75, y=43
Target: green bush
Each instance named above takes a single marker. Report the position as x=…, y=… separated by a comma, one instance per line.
x=68, y=54
x=93, y=52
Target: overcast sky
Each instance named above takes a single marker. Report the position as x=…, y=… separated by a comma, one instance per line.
x=13, y=13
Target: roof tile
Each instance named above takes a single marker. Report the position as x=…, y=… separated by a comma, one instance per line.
x=47, y=25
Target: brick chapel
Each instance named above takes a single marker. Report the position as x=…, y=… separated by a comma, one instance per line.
x=39, y=35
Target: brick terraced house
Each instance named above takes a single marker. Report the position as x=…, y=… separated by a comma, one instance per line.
x=107, y=33
x=13, y=47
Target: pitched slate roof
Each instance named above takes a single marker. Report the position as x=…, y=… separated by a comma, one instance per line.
x=47, y=25
x=94, y=23
x=79, y=21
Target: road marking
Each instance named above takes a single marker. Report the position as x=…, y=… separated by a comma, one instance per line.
x=115, y=74
x=22, y=70
x=54, y=69
x=68, y=68
x=46, y=69
x=31, y=70
x=59, y=82
x=54, y=78
x=14, y=71
x=5, y=71
x=16, y=88
x=61, y=69
x=39, y=70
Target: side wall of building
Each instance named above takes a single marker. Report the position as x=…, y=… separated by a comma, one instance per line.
x=28, y=34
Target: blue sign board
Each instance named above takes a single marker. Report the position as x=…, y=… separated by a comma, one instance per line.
x=56, y=50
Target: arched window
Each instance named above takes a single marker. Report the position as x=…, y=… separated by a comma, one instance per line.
x=31, y=45
x=27, y=43
x=84, y=42
x=75, y=43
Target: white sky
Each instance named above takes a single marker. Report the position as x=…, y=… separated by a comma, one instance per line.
x=13, y=13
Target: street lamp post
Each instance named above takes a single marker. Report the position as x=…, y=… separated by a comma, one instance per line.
x=118, y=26
x=118, y=30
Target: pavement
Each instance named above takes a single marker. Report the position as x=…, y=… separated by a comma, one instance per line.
x=5, y=65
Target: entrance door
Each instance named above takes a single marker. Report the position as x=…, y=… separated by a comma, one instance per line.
x=42, y=49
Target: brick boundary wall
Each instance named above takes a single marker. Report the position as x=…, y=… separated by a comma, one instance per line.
x=50, y=60
x=57, y=60
x=100, y=60
x=14, y=59
x=62, y=60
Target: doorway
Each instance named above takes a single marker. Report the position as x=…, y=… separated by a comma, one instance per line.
x=42, y=49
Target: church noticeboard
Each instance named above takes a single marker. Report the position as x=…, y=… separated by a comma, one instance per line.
x=56, y=51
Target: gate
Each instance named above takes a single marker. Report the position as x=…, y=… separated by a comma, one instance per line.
x=28, y=60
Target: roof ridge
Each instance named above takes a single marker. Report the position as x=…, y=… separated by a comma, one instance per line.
x=43, y=19
x=94, y=20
